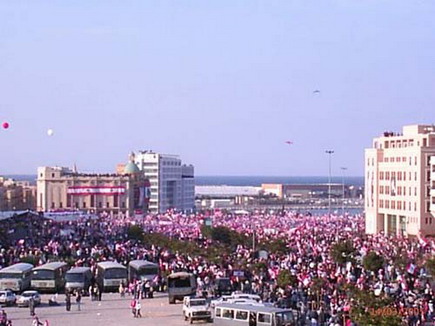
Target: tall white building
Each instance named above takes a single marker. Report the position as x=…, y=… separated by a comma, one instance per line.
x=400, y=182
x=172, y=184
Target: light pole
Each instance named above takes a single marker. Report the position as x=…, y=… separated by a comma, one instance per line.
x=343, y=169
x=329, y=152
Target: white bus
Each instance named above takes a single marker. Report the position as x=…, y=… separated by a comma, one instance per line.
x=180, y=285
x=78, y=278
x=143, y=270
x=49, y=277
x=16, y=277
x=228, y=314
x=110, y=275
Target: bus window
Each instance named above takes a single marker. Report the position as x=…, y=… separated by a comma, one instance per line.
x=228, y=313
x=241, y=315
x=179, y=283
x=264, y=318
x=218, y=312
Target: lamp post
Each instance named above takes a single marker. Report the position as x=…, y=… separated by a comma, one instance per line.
x=343, y=169
x=329, y=152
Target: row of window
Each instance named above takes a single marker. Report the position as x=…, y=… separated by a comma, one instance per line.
x=241, y=315
x=396, y=191
x=399, y=175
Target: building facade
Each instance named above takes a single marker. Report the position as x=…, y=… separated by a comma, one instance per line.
x=16, y=195
x=172, y=184
x=60, y=188
x=400, y=182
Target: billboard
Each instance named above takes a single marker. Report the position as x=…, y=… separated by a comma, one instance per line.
x=142, y=195
x=81, y=191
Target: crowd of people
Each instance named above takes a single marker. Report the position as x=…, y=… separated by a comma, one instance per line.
x=309, y=240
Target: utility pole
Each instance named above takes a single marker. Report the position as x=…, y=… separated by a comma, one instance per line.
x=329, y=152
x=343, y=169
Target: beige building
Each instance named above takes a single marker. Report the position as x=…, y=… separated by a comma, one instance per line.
x=60, y=188
x=16, y=195
x=400, y=182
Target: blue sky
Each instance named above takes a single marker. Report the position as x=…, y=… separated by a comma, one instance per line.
x=221, y=83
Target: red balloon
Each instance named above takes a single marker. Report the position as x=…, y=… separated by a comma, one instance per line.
x=5, y=125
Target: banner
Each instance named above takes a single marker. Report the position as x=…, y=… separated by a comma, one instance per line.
x=96, y=190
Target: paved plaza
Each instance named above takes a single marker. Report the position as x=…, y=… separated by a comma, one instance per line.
x=112, y=310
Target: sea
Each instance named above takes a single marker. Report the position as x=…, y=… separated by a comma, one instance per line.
x=254, y=181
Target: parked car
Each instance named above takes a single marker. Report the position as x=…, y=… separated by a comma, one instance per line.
x=196, y=309
x=7, y=298
x=24, y=298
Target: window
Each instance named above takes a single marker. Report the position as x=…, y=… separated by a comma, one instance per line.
x=100, y=204
x=241, y=315
x=218, y=312
x=84, y=204
x=264, y=318
x=60, y=205
x=228, y=313
x=52, y=205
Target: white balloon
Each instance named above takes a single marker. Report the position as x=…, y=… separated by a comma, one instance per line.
x=50, y=132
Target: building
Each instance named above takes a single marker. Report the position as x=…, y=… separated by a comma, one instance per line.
x=305, y=190
x=400, y=182
x=60, y=188
x=16, y=195
x=172, y=183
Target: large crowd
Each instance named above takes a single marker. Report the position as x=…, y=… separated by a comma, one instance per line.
x=309, y=239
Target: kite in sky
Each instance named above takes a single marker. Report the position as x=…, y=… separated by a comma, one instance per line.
x=316, y=91
x=289, y=142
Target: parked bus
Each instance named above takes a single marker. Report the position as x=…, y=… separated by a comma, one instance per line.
x=230, y=314
x=78, y=278
x=143, y=270
x=49, y=277
x=16, y=277
x=110, y=275
x=180, y=285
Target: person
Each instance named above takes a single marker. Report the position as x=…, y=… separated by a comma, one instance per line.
x=68, y=301
x=79, y=300
x=138, y=307
x=53, y=300
x=36, y=321
x=133, y=307
x=46, y=323
x=32, y=306
x=121, y=290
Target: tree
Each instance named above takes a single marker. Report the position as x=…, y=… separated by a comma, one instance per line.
x=285, y=278
x=430, y=266
x=373, y=262
x=135, y=232
x=342, y=252
x=370, y=310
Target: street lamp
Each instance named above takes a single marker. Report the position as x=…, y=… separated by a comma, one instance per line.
x=343, y=169
x=329, y=152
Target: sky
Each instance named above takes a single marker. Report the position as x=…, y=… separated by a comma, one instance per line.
x=222, y=83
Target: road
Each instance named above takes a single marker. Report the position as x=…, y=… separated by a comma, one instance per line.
x=111, y=311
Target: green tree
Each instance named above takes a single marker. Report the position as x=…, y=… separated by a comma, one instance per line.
x=285, y=278
x=370, y=310
x=430, y=266
x=373, y=262
x=342, y=252
x=135, y=232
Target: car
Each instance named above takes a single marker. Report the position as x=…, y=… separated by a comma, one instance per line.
x=24, y=299
x=222, y=286
x=7, y=298
x=196, y=309
x=222, y=299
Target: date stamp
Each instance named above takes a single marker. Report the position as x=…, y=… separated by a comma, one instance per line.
x=393, y=311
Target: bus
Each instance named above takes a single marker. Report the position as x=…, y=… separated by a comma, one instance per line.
x=230, y=314
x=16, y=277
x=78, y=278
x=110, y=275
x=49, y=277
x=143, y=270
x=181, y=284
